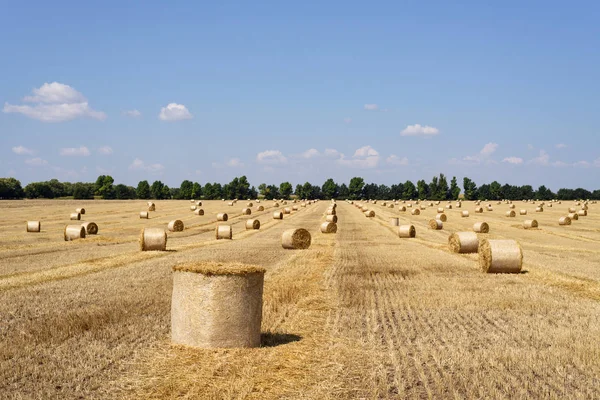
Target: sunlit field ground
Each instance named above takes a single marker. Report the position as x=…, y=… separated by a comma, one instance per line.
x=360, y=314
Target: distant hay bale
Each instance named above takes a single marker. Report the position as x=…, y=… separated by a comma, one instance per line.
x=222, y=217
x=144, y=215
x=193, y=208
x=153, y=239
x=151, y=206
x=572, y=210
x=511, y=214
x=384, y=204
x=478, y=210
x=549, y=205
x=287, y=210
x=295, y=208
x=441, y=217
x=230, y=204
x=328, y=227
x=192, y=200
x=275, y=204
x=75, y=217
x=260, y=208
x=539, y=209
x=490, y=208
x=440, y=210
x=402, y=208
x=407, y=231
x=436, y=224
x=459, y=205
x=284, y=203
x=217, y=305
x=73, y=232
x=512, y=206
x=481, y=227
x=175, y=226
x=249, y=204
x=34, y=226
x=564, y=221
x=437, y=203
x=223, y=232
x=91, y=228
x=296, y=239
x=463, y=242
x=257, y=201
x=199, y=204
x=530, y=224
x=409, y=205
x=523, y=212
x=303, y=205
x=331, y=218
x=449, y=206
x=422, y=207
x=277, y=215
x=573, y=216
x=80, y=211
x=500, y=256
x=465, y=214
x=246, y=211
x=430, y=204
x=394, y=221
x=582, y=213
x=369, y=214
x=391, y=205
x=415, y=211
x=199, y=212
x=252, y=224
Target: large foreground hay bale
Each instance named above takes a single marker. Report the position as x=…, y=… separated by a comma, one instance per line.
x=175, y=226
x=436, y=224
x=222, y=217
x=34, y=226
x=217, y=305
x=246, y=211
x=328, y=227
x=75, y=217
x=223, y=232
x=91, y=228
x=464, y=214
x=394, y=221
x=252, y=224
x=331, y=218
x=442, y=217
x=153, y=239
x=530, y=224
x=296, y=239
x=500, y=256
x=277, y=215
x=481, y=227
x=73, y=232
x=80, y=211
x=564, y=221
x=463, y=242
x=407, y=231
x=144, y=215
x=415, y=211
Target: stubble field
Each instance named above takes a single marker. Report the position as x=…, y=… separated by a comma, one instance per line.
x=360, y=314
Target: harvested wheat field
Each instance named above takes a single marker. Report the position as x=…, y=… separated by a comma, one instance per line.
x=359, y=314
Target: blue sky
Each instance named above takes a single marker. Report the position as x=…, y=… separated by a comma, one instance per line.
x=388, y=91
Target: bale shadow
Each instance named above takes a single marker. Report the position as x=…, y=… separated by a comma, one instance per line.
x=269, y=339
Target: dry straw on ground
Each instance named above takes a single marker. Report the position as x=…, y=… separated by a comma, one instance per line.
x=442, y=217
x=153, y=239
x=223, y=232
x=73, y=232
x=530, y=224
x=331, y=218
x=222, y=217
x=252, y=224
x=34, y=226
x=91, y=228
x=175, y=226
x=436, y=224
x=75, y=217
x=500, y=256
x=481, y=227
x=564, y=221
x=463, y=242
x=328, y=227
x=296, y=239
x=407, y=231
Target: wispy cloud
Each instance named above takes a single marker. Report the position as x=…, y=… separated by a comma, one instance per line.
x=271, y=157
x=132, y=113
x=561, y=146
x=395, y=160
x=364, y=157
x=36, y=162
x=542, y=159
x=234, y=163
x=140, y=165
x=484, y=154
x=23, y=151
x=418, y=130
x=371, y=107
x=347, y=120
x=74, y=151
x=513, y=160
x=105, y=150
x=174, y=112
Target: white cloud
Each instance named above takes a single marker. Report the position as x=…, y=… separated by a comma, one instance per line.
x=484, y=154
x=36, y=162
x=140, y=165
x=174, y=112
x=311, y=153
x=543, y=159
x=597, y=162
x=198, y=172
x=489, y=149
x=561, y=146
x=418, y=130
x=364, y=157
x=332, y=153
x=105, y=150
x=582, y=164
x=22, y=151
x=55, y=102
x=347, y=120
x=513, y=160
x=560, y=164
x=271, y=157
x=74, y=151
x=235, y=162
x=395, y=160
x=132, y=113
x=530, y=147
x=371, y=107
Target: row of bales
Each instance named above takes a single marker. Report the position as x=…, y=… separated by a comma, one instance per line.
x=71, y=231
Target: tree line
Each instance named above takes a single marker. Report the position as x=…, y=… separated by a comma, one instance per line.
x=240, y=188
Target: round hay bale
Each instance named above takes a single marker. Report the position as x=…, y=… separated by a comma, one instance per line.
x=91, y=228
x=549, y=205
x=275, y=204
x=73, y=232
x=478, y=210
x=481, y=227
x=369, y=214
x=449, y=206
x=175, y=226
x=422, y=207
x=199, y=204
x=295, y=208
x=582, y=213
x=511, y=214
x=260, y=208
x=331, y=218
x=407, y=231
x=523, y=212
x=564, y=221
x=257, y=201
x=539, y=209
x=34, y=226
x=436, y=224
x=303, y=205
x=249, y=204
x=144, y=215
x=199, y=211
x=277, y=215
x=80, y=211
x=391, y=205
x=530, y=224
x=459, y=205
x=441, y=217
x=217, y=305
x=573, y=216
x=384, y=204
x=463, y=242
x=402, y=208
x=415, y=211
x=583, y=207
x=409, y=205
x=192, y=200
x=437, y=203
x=252, y=224
x=500, y=256
x=394, y=221
x=222, y=217
x=490, y=208
x=223, y=232
x=246, y=211
x=284, y=203
x=193, y=208
x=153, y=239
x=430, y=204
x=230, y=204
x=296, y=239
x=287, y=210
x=75, y=217
x=464, y=214
x=328, y=227
x=512, y=206
x=572, y=210
x=151, y=206
x=440, y=210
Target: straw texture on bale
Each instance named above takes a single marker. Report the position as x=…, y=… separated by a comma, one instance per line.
x=80, y=211
x=151, y=207
x=296, y=239
x=442, y=217
x=481, y=227
x=252, y=224
x=369, y=214
x=402, y=208
x=449, y=206
x=407, y=231
x=390, y=205
x=440, y=210
x=91, y=228
x=511, y=214
x=582, y=213
x=34, y=226
x=193, y=208
x=199, y=204
x=331, y=211
x=223, y=232
x=478, y=210
x=75, y=217
x=275, y=204
x=153, y=239
x=222, y=217
x=249, y=204
x=573, y=216
x=246, y=211
x=465, y=214
x=295, y=208
x=230, y=204
x=394, y=221
x=144, y=215
x=530, y=224
x=217, y=305
x=73, y=232
x=415, y=211
x=175, y=226
x=436, y=224
x=277, y=215
x=287, y=210
x=331, y=218
x=260, y=208
x=511, y=206
x=572, y=209
x=328, y=227
x=199, y=211
x=564, y=221
x=523, y=212
x=539, y=209
x=500, y=256
x=463, y=242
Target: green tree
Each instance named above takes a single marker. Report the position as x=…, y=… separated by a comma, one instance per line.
x=443, y=190
x=196, y=191
x=369, y=191
x=433, y=189
x=285, y=190
x=186, y=189
x=495, y=191
x=83, y=191
x=10, y=188
x=470, y=189
x=343, y=193
x=166, y=192
x=298, y=191
x=307, y=191
x=410, y=191
x=104, y=187
x=124, y=192
x=355, y=188
x=454, y=189
x=330, y=189
x=156, y=190
x=423, y=190
x=396, y=191
x=143, y=190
